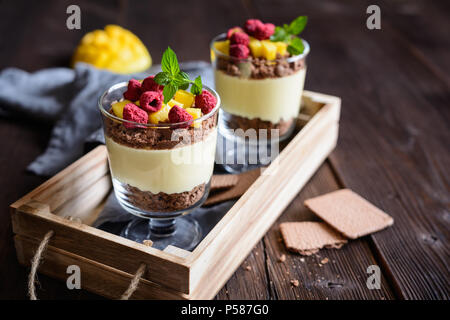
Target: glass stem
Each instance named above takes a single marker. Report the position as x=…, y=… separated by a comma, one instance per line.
x=162, y=227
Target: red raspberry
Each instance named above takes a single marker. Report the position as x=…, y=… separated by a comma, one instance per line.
x=177, y=114
x=134, y=90
x=205, y=101
x=239, y=51
x=239, y=38
x=252, y=24
x=149, y=84
x=151, y=101
x=133, y=113
x=233, y=30
x=264, y=32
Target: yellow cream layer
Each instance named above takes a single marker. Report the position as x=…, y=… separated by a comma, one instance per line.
x=271, y=99
x=170, y=171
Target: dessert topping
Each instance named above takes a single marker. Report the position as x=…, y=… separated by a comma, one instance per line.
x=239, y=51
x=195, y=113
x=149, y=84
x=184, y=97
x=240, y=38
x=160, y=116
x=205, y=101
x=251, y=25
x=233, y=30
x=172, y=78
x=134, y=90
x=117, y=107
x=289, y=35
x=177, y=114
x=151, y=101
x=132, y=112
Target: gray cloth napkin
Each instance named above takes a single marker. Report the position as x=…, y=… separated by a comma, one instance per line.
x=68, y=98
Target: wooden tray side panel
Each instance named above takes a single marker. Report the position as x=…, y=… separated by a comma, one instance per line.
x=95, y=277
x=103, y=247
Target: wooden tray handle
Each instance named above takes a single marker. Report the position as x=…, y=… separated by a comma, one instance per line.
x=37, y=258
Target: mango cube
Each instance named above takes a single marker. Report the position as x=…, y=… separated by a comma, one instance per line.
x=118, y=107
x=255, y=47
x=162, y=115
x=195, y=113
x=281, y=47
x=184, y=97
x=173, y=102
x=223, y=46
x=269, y=50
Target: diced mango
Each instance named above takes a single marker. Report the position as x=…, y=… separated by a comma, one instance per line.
x=184, y=97
x=269, y=49
x=281, y=47
x=223, y=46
x=173, y=102
x=195, y=113
x=118, y=107
x=255, y=47
x=138, y=103
x=162, y=115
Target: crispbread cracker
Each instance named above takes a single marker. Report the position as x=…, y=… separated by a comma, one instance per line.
x=223, y=181
x=308, y=237
x=349, y=213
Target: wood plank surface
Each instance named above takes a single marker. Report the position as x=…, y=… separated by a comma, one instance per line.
x=393, y=146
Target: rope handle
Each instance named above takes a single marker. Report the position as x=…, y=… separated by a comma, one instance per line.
x=37, y=259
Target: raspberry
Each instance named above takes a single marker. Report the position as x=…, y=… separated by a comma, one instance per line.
x=264, y=32
x=239, y=38
x=252, y=24
x=134, y=90
x=259, y=30
x=149, y=84
x=205, y=101
x=133, y=113
x=233, y=30
x=177, y=114
x=151, y=101
x=239, y=51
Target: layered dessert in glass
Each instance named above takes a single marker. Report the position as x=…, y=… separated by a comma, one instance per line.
x=259, y=72
x=161, y=154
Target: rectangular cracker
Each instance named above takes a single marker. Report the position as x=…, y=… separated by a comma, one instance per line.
x=349, y=213
x=307, y=237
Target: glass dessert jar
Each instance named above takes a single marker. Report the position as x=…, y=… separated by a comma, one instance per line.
x=160, y=172
x=260, y=100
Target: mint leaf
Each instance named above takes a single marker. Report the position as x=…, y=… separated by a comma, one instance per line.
x=280, y=34
x=163, y=78
x=295, y=46
x=197, y=86
x=297, y=25
x=169, y=62
x=169, y=91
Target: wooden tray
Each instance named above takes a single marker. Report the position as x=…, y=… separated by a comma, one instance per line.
x=108, y=261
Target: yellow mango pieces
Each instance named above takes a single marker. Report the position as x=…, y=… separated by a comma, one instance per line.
x=184, y=97
x=269, y=49
x=162, y=115
x=117, y=107
x=173, y=102
x=281, y=47
x=195, y=113
x=115, y=49
x=255, y=48
x=223, y=46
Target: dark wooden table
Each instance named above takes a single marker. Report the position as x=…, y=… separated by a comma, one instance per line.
x=393, y=147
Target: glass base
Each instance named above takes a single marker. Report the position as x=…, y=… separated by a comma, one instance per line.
x=183, y=232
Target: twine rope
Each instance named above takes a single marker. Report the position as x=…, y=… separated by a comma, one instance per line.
x=35, y=264
x=134, y=282
x=37, y=258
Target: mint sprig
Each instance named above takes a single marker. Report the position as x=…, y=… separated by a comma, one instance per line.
x=172, y=78
x=289, y=34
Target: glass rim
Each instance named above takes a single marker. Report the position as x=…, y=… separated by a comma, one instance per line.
x=290, y=59
x=176, y=125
